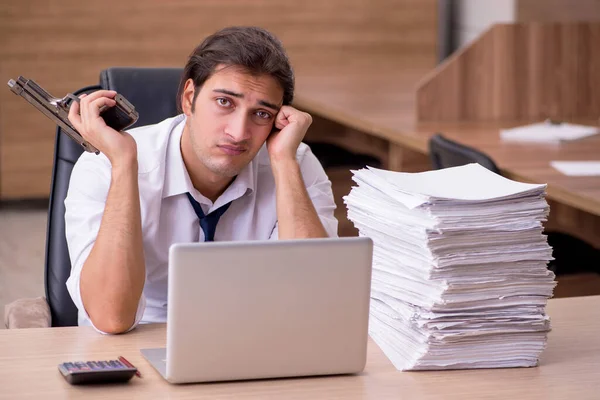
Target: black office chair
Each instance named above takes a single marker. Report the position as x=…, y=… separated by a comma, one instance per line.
x=571, y=254
x=153, y=91
x=446, y=153
x=332, y=156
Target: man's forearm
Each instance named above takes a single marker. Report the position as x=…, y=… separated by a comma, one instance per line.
x=112, y=278
x=296, y=214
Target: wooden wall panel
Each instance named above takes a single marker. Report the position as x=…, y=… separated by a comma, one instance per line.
x=557, y=10
x=64, y=45
x=518, y=72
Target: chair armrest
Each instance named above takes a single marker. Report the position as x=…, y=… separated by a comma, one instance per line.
x=27, y=313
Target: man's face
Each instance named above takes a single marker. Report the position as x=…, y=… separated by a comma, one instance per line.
x=233, y=115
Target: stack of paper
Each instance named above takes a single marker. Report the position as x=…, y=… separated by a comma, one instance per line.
x=459, y=266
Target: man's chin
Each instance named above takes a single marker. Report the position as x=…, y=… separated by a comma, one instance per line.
x=228, y=171
x=228, y=166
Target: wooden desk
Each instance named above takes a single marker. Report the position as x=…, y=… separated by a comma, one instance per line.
x=383, y=94
x=376, y=97
x=569, y=368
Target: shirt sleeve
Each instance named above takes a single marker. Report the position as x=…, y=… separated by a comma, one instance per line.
x=319, y=190
x=84, y=208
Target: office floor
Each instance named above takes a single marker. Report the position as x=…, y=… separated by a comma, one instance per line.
x=23, y=237
x=22, y=241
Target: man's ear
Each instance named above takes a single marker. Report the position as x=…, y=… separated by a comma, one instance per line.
x=187, y=98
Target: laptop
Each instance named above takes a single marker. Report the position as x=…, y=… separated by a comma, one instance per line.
x=266, y=309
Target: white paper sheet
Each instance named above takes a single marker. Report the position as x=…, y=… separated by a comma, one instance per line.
x=577, y=168
x=470, y=182
x=547, y=132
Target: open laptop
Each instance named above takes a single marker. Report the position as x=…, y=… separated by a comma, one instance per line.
x=266, y=309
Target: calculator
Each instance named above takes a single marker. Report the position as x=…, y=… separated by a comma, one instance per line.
x=82, y=372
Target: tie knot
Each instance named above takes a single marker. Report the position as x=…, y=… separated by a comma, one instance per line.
x=208, y=223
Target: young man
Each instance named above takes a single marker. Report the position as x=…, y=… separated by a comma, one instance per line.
x=234, y=156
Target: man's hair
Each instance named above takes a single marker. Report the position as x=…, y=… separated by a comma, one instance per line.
x=253, y=49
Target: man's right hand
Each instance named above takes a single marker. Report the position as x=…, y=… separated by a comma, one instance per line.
x=119, y=147
x=111, y=292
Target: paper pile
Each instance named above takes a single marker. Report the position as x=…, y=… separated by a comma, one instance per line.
x=459, y=266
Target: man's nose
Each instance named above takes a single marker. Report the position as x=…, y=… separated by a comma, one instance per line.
x=239, y=127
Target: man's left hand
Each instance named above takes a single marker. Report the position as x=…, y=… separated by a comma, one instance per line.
x=293, y=124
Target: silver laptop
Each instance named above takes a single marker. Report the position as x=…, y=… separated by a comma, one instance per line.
x=266, y=309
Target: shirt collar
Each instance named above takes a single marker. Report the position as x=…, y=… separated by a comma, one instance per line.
x=178, y=181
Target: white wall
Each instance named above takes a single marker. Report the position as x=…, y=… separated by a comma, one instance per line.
x=473, y=17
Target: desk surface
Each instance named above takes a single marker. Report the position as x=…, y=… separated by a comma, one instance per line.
x=569, y=368
x=376, y=95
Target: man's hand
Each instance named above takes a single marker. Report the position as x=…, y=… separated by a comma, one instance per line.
x=293, y=123
x=119, y=147
x=296, y=214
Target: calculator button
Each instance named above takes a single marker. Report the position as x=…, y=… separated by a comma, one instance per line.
x=103, y=365
x=92, y=365
x=79, y=365
x=69, y=367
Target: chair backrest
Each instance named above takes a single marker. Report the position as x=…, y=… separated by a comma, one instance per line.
x=445, y=153
x=153, y=92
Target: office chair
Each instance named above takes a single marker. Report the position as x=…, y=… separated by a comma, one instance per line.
x=446, y=153
x=153, y=91
x=333, y=156
x=571, y=255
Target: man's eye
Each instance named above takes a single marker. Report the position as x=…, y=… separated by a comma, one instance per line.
x=223, y=102
x=263, y=114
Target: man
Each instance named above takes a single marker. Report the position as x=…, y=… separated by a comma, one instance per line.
x=234, y=156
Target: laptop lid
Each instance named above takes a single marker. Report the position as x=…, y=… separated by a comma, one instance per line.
x=264, y=309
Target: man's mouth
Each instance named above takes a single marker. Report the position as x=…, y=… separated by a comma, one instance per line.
x=232, y=150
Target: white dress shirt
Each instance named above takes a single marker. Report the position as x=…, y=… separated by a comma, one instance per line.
x=167, y=215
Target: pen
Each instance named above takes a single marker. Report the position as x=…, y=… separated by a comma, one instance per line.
x=130, y=365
